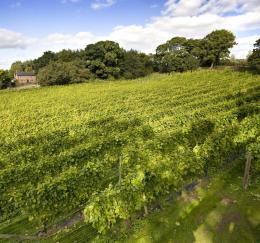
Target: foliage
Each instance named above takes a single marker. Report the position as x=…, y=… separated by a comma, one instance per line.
x=152, y=179
x=58, y=73
x=27, y=66
x=177, y=54
x=16, y=67
x=217, y=45
x=107, y=60
x=68, y=55
x=175, y=44
x=178, y=61
x=200, y=215
x=103, y=59
x=44, y=60
x=181, y=54
x=135, y=65
x=113, y=148
x=254, y=58
x=5, y=79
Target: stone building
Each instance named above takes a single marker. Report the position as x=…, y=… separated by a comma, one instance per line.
x=23, y=78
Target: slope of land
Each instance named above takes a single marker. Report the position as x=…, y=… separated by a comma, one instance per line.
x=219, y=210
x=115, y=147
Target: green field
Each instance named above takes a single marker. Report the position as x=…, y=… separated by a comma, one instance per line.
x=113, y=148
x=219, y=210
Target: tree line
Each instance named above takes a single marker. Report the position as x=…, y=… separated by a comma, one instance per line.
x=107, y=60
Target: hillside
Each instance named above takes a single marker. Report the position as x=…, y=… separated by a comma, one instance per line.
x=110, y=149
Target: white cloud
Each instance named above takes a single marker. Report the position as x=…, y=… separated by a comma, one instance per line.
x=4, y=64
x=15, y=46
x=74, y=41
x=198, y=7
x=11, y=39
x=182, y=7
x=100, y=4
x=195, y=22
x=245, y=44
x=148, y=37
x=193, y=19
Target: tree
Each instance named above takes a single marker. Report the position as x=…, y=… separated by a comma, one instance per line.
x=209, y=51
x=179, y=61
x=254, y=58
x=175, y=55
x=173, y=45
x=217, y=45
x=17, y=66
x=195, y=47
x=103, y=58
x=58, y=73
x=5, y=79
x=67, y=55
x=135, y=64
x=98, y=69
x=28, y=66
x=44, y=60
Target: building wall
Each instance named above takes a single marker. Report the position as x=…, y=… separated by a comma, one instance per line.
x=22, y=80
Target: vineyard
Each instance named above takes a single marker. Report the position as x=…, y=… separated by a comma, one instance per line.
x=110, y=149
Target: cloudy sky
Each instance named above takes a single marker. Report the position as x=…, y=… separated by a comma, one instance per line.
x=30, y=27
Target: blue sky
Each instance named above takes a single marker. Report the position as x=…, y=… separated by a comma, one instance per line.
x=41, y=17
x=29, y=27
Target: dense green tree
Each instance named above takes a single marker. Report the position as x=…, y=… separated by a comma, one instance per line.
x=217, y=45
x=5, y=79
x=208, y=51
x=17, y=66
x=171, y=46
x=254, y=57
x=98, y=69
x=176, y=55
x=135, y=64
x=67, y=55
x=28, y=66
x=102, y=59
x=58, y=73
x=179, y=61
x=108, y=52
x=176, y=43
x=107, y=60
x=195, y=47
x=161, y=50
x=44, y=60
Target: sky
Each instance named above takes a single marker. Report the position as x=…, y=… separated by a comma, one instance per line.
x=30, y=27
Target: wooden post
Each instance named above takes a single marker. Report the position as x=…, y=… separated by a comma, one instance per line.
x=247, y=170
x=145, y=207
x=120, y=170
x=145, y=211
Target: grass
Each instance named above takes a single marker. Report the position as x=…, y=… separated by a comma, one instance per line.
x=41, y=126
x=18, y=225
x=220, y=212
x=217, y=211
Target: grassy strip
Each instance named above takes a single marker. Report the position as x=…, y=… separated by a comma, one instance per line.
x=218, y=212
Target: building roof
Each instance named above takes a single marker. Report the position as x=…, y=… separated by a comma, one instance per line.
x=25, y=74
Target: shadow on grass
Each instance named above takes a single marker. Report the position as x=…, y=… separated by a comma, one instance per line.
x=223, y=212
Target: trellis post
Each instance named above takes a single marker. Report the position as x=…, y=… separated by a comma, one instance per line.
x=247, y=170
